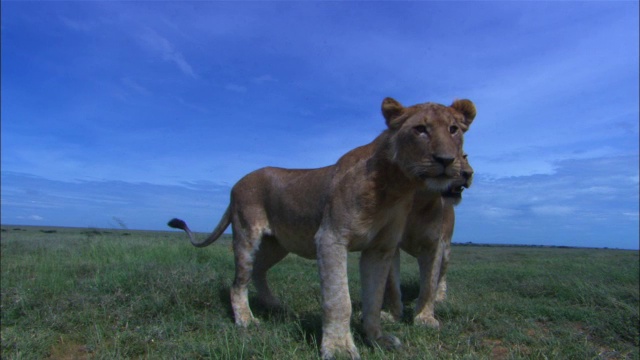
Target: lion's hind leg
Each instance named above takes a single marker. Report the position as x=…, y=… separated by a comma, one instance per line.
x=269, y=254
x=245, y=245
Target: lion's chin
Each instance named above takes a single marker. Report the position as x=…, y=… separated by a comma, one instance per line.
x=438, y=184
x=453, y=201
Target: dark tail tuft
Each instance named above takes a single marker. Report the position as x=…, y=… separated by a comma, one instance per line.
x=177, y=224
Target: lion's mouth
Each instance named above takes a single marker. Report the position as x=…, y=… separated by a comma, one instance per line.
x=454, y=192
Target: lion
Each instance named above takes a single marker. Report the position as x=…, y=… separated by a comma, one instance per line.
x=427, y=237
x=361, y=203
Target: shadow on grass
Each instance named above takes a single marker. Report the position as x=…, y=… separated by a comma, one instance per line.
x=225, y=300
x=263, y=312
x=409, y=292
x=311, y=329
x=276, y=314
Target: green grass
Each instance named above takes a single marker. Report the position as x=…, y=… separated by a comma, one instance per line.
x=89, y=294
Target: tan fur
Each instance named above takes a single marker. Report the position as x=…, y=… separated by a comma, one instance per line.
x=427, y=237
x=359, y=204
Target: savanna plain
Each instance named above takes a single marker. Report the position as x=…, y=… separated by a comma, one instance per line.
x=109, y=294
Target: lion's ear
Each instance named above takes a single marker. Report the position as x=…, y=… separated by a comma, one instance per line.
x=467, y=109
x=391, y=110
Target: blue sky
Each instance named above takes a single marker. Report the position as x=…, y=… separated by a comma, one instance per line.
x=130, y=113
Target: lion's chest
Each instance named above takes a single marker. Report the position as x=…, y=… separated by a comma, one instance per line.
x=423, y=230
x=381, y=229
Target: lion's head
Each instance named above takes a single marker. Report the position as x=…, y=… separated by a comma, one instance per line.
x=426, y=140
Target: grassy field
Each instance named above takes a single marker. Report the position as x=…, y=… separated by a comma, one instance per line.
x=93, y=294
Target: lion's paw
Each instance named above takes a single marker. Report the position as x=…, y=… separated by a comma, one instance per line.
x=428, y=321
x=388, y=317
x=338, y=343
x=247, y=322
x=330, y=352
x=388, y=342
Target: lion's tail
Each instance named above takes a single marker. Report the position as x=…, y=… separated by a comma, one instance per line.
x=222, y=225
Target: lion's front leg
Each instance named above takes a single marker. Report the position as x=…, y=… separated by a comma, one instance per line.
x=430, y=263
x=442, y=283
x=447, y=234
x=442, y=289
x=392, y=293
x=336, y=302
x=374, y=271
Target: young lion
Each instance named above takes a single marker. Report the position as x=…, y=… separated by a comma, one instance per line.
x=427, y=237
x=359, y=204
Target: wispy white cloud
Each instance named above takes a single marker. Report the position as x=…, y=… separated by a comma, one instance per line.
x=79, y=25
x=554, y=210
x=264, y=79
x=36, y=217
x=635, y=215
x=498, y=213
x=236, y=88
x=192, y=106
x=154, y=41
x=134, y=85
x=27, y=219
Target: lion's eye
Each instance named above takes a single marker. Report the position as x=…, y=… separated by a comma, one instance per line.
x=464, y=156
x=453, y=129
x=421, y=129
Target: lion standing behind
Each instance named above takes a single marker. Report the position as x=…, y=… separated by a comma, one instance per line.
x=427, y=237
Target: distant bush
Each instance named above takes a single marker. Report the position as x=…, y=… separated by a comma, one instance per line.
x=92, y=232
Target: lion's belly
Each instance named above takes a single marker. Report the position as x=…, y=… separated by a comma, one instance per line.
x=294, y=226
x=297, y=240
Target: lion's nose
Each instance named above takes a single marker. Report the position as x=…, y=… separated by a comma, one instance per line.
x=467, y=174
x=445, y=160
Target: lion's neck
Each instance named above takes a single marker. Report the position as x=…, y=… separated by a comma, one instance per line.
x=425, y=195
x=428, y=202
x=390, y=183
